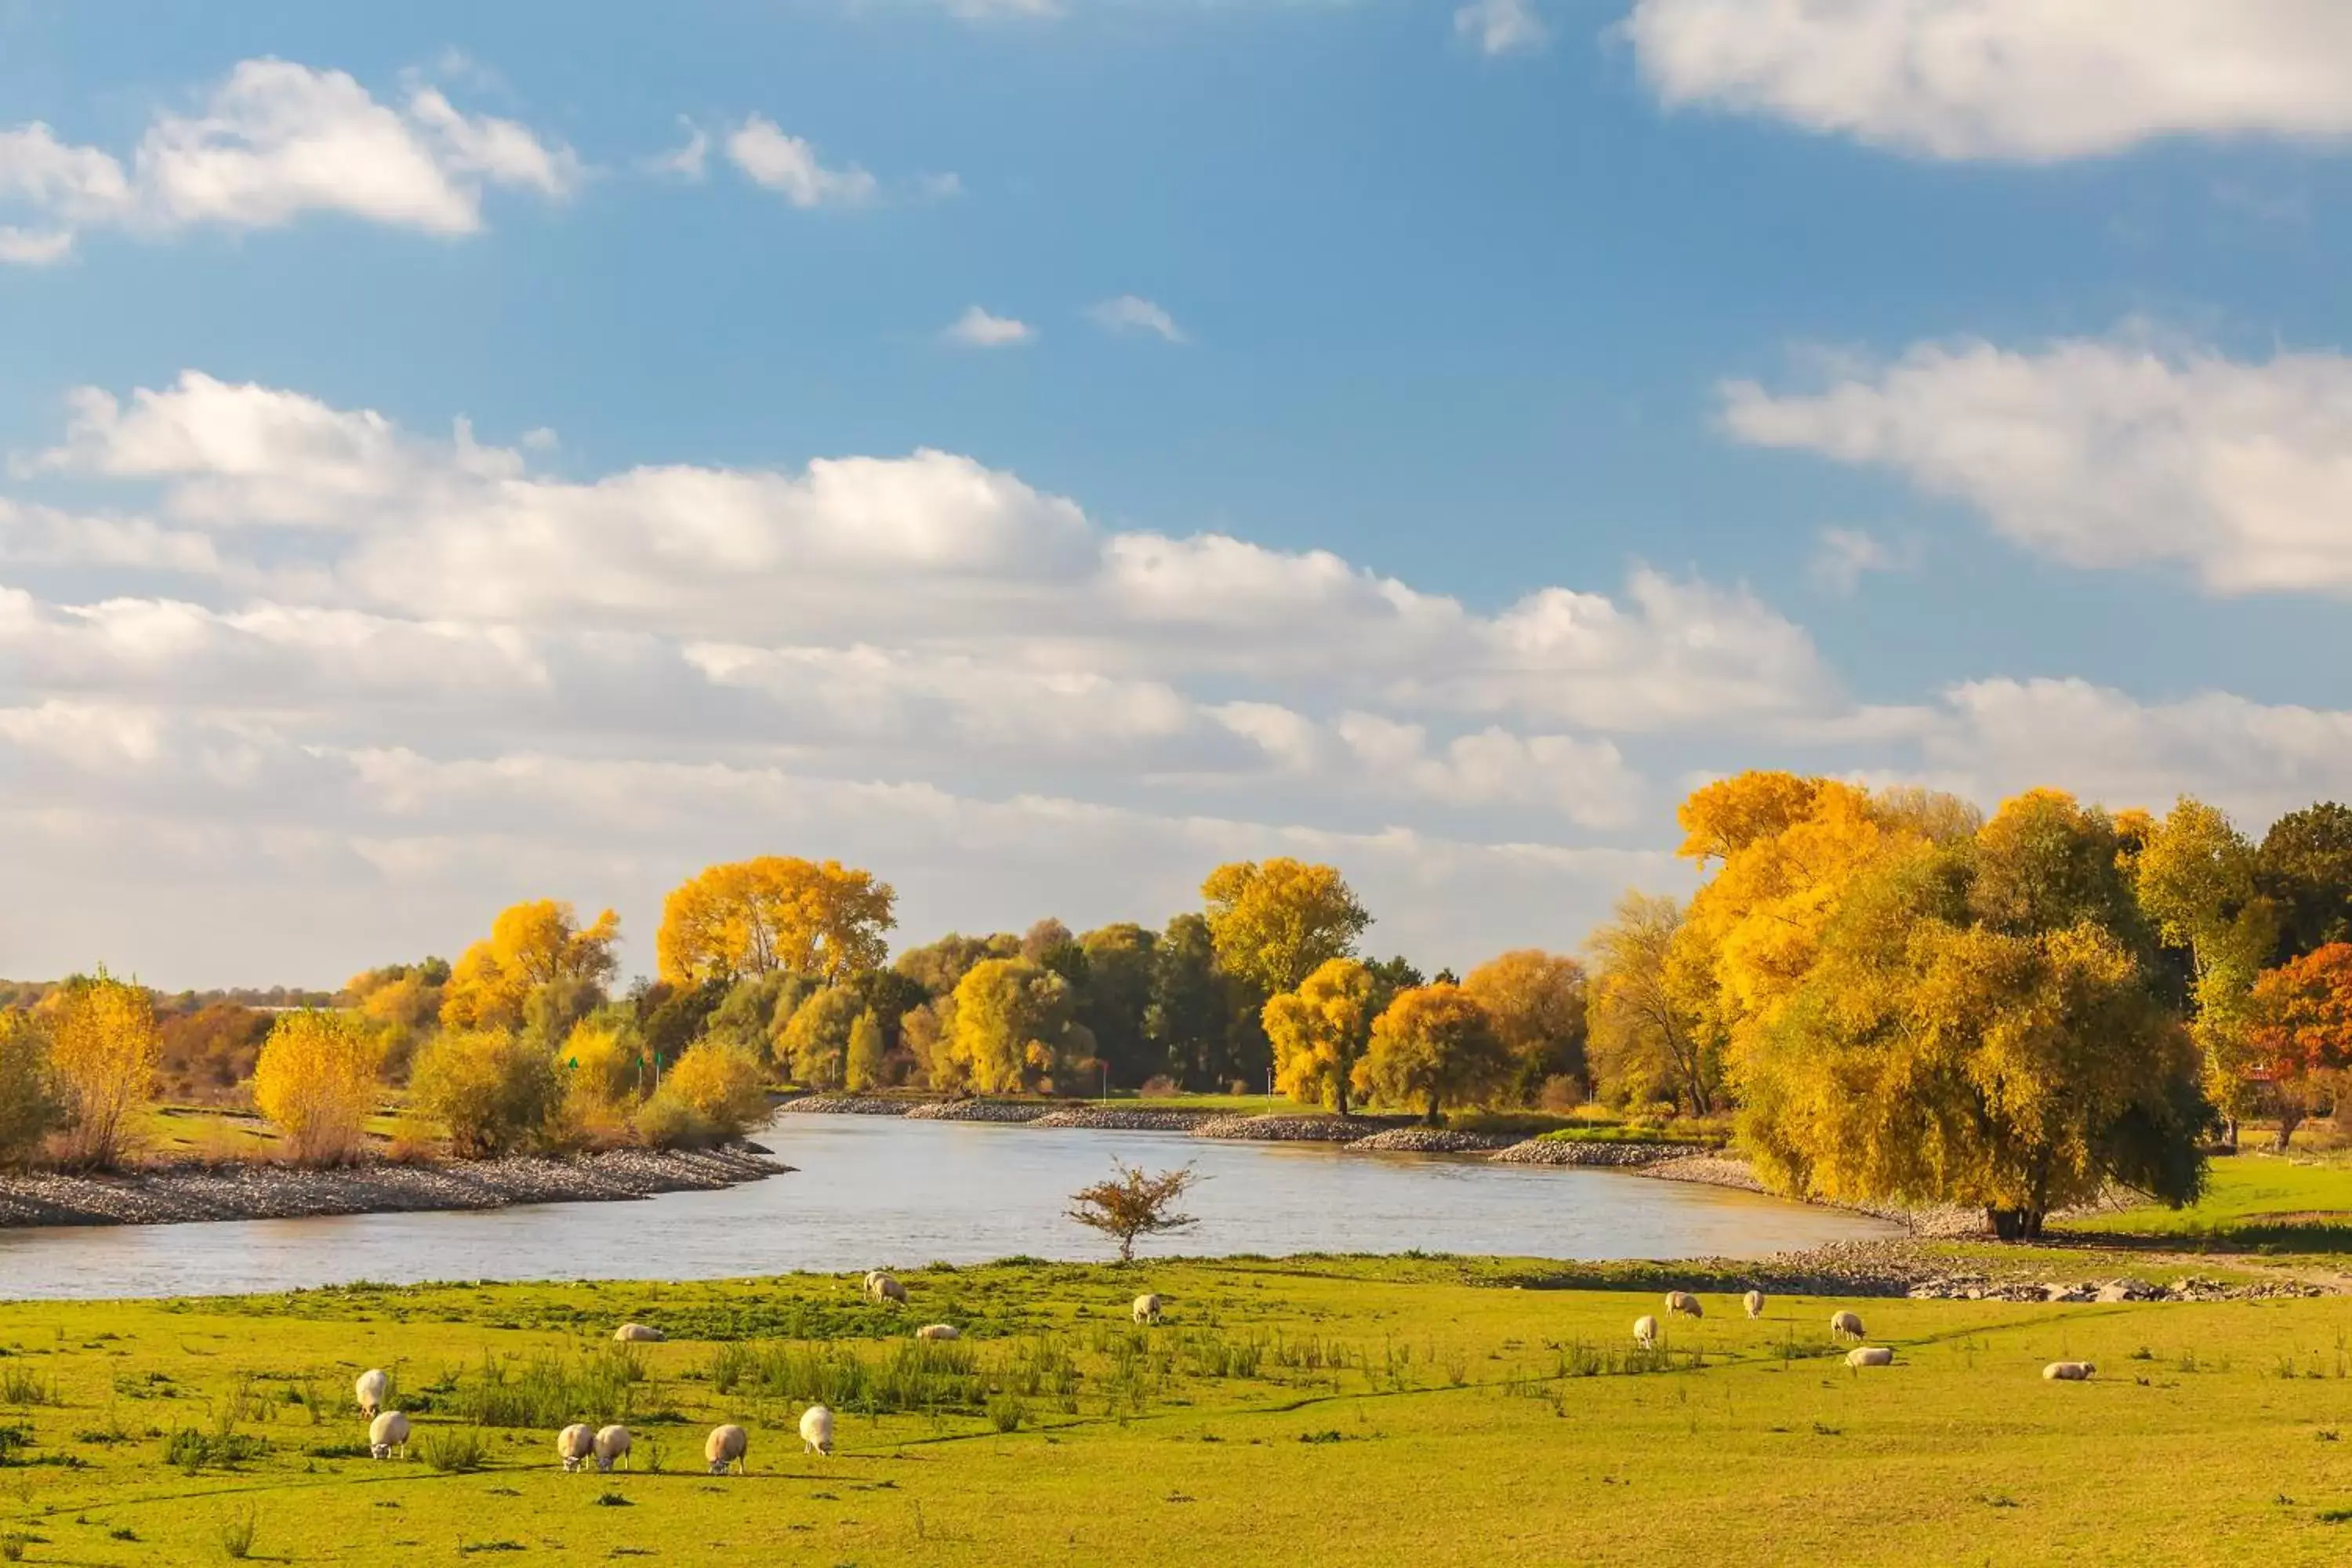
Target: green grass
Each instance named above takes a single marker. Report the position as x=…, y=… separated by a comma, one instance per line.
x=2256, y=1201
x=1305, y=1410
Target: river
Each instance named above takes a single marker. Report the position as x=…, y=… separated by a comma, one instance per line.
x=880, y=1191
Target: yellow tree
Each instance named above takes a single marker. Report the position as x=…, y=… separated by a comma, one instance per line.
x=1434, y=1045
x=532, y=946
x=716, y=1091
x=1646, y=1043
x=105, y=1050
x=1538, y=1001
x=756, y=917
x=1275, y=921
x=865, y=1053
x=2194, y=872
x=32, y=1104
x=1319, y=1030
x=1014, y=1029
x=318, y=1080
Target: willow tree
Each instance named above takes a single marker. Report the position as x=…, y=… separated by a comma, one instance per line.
x=1982, y=1027
x=1320, y=1031
x=1014, y=1029
x=1434, y=1046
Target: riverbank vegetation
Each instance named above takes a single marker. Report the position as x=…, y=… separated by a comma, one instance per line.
x=1884, y=995
x=1056, y=1430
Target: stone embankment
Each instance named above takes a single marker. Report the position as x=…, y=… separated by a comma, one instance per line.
x=1116, y=1118
x=1431, y=1141
x=976, y=1110
x=169, y=1195
x=1289, y=1129
x=1646, y=1157
x=847, y=1105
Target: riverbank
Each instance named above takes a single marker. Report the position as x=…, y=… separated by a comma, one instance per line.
x=172, y=1194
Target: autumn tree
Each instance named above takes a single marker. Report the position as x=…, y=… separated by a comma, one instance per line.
x=1434, y=1046
x=105, y=1050
x=1132, y=1206
x=319, y=1080
x=32, y=1101
x=533, y=947
x=866, y=1055
x=714, y=1093
x=1645, y=1041
x=823, y=920
x=209, y=1052
x=495, y=1093
x=937, y=966
x=1014, y=1029
x=1981, y=1027
x=1320, y=1030
x=606, y=1075
x=2195, y=876
x=815, y=1044
x=1277, y=921
x=2301, y=1024
x=1538, y=1001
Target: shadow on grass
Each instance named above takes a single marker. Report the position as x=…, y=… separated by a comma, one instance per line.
x=2267, y=1238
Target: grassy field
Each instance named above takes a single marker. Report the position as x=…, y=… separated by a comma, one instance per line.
x=1303, y=1411
x=2256, y=1201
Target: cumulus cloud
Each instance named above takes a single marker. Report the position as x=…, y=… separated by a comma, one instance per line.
x=2028, y=81
x=274, y=141
x=689, y=160
x=1132, y=313
x=2103, y=453
x=978, y=329
x=789, y=166
x=1502, y=26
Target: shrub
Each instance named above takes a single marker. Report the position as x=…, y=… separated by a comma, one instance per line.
x=105, y=1051
x=603, y=1066
x=237, y=1533
x=318, y=1080
x=715, y=1092
x=454, y=1453
x=32, y=1102
x=1159, y=1088
x=494, y=1092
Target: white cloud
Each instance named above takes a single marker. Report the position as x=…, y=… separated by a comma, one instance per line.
x=1502, y=26
x=977, y=329
x=273, y=142
x=2033, y=80
x=690, y=160
x=2103, y=453
x=1132, y=313
x=1843, y=556
x=789, y=166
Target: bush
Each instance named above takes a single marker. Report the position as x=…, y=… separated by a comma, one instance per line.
x=32, y=1103
x=715, y=1093
x=105, y=1051
x=495, y=1093
x=603, y=1066
x=454, y=1453
x=318, y=1080
x=1161, y=1087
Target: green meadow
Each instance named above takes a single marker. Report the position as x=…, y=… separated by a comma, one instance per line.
x=1302, y=1411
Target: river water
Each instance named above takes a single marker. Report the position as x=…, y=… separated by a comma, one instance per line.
x=871, y=1192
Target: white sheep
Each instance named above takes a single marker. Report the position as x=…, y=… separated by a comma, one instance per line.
x=1845, y=1325
x=373, y=1389
x=1754, y=1303
x=1645, y=1330
x=575, y=1445
x=637, y=1334
x=610, y=1445
x=387, y=1431
x=2069, y=1371
x=938, y=1332
x=725, y=1446
x=817, y=1430
x=1147, y=1309
x=883, y=1287
x=1870, y=1355
x=1684, y=1303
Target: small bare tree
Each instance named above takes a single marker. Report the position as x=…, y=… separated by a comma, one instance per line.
x=1135, y=1204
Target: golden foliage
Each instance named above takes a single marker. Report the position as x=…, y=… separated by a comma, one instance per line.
x=1013, y=1030
x=1319, y=1030
x=318, y=1080
x=1434, y=1045
x=493, y=1092
x=776, y=912
x=715, y=1092
x=1277, y=921
x=105, y=1050
x=1538, y=1003
x=1647, y=1041
x=32, y=1102
x=604, y=1074
x=530, y=946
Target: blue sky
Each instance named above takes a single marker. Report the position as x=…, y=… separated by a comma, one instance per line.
x=1935, y=390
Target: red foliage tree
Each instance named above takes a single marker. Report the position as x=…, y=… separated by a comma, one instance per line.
x=2303, y=1023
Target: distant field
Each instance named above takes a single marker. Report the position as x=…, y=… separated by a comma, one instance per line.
x=1306, y=1410
x=2298, y=1203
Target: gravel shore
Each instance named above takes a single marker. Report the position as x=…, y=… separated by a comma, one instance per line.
x=847, y=1105
x=1431, y=1141
x=172, y=1195
x=976, y=1110
x=1289, y=1129
x=1646, y=1157
x=1115, y=1119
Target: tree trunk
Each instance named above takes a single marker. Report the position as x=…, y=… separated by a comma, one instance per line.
x=2290, y=1117
x=1342, y=1093
x=2015, y=1224
x=1432, y=1118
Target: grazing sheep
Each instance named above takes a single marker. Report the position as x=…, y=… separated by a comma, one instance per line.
x=1845, y=1325
x=637, y=1334
x=372, y=1388
x=575, y=1446
x=1684, y=1302
x=938, y=1332
x=610, y=1444
x=726, y=1447
x=387, y=1431
x=817, y=1430
x=883, y=1287
x=1754, y=1303
x=1870, y=1355
x=2069, y=1371
x=1147, y=1309
x=1645, y=1330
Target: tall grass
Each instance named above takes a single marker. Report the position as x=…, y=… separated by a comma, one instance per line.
x=453, y=1452
x=553, y=1390
x=924, y=1376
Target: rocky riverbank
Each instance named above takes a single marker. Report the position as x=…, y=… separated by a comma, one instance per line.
x=1008, y=1111
x=1431, y=1141
x=172, y=1194
x=1114, y=1119
x=1646, y=1157
x=1290, y=1129
x=847, y=1105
